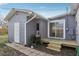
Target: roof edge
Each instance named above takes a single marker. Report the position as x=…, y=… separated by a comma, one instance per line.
x=62, y=15
x=10, y=14
x=13, y=11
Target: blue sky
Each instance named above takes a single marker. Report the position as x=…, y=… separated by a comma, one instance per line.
x=45, y=9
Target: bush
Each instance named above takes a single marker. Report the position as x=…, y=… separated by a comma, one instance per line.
x=33, y=41
x=3, y=31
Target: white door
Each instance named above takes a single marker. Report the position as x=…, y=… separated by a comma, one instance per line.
x=16, y=33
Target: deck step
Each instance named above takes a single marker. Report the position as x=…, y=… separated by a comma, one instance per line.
x=51, y=48
x=54, y=46
x=54, y=42
x=68, y=45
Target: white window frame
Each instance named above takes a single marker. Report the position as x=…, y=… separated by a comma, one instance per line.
x=63, y=20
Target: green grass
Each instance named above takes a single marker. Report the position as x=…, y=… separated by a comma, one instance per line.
x=3, y=40
x=5, y=50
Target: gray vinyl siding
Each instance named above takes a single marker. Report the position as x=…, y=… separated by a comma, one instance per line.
x=10, y=32
x=70, y=26
x=44, y=29
x=31, y=28
x=21, y=19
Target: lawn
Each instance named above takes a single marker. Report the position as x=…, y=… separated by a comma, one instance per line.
x=3, y=38
x=5, y=50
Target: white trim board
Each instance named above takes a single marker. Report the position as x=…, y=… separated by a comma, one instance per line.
x=25, y=33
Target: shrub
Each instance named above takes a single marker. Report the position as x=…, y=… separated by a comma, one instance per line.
x=3, y=31
x=33, y=41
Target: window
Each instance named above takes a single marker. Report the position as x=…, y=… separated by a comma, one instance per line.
x=56, y=29
x=37, y=26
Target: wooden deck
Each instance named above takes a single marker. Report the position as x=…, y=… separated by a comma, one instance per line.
x=55, y=44
x=69, y=43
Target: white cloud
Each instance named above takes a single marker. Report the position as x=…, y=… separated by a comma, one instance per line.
x=3, y=4
x=50, y=13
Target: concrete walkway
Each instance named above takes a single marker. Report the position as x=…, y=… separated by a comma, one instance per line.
x=26, y=50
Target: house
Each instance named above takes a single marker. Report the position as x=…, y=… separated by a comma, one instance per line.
x=62, y=27
x=0, y=27
x=62, y=31
x=23, y=23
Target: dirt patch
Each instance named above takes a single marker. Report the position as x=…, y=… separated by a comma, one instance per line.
x=65, y=51
x=8, y=51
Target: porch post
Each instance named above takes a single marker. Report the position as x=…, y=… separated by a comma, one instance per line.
x=25, y=33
